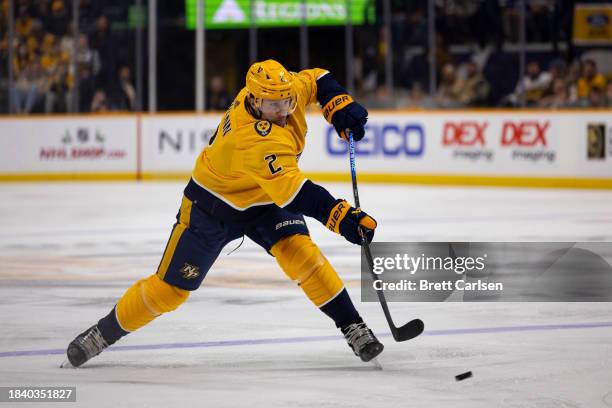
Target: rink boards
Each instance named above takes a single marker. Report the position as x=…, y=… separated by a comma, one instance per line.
x=475, y=147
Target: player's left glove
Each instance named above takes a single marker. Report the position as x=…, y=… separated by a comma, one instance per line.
x=347, y=221
x=346, y=114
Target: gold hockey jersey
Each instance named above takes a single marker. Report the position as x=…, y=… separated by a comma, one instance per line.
x=252, y=161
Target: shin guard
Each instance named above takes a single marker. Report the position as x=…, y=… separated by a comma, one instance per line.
x=147, y=299
x=304, y=263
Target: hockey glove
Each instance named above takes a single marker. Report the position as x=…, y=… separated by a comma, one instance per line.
x=347, y=221
x=346, y=114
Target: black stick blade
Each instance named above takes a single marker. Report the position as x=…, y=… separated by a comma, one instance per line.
x=408, y=331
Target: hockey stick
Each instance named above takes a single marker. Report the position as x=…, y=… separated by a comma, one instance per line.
x=414, y=327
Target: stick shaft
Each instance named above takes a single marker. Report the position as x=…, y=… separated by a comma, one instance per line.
x=364, y=244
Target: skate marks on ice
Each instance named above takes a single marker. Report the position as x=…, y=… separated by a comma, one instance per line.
x=607, y=399
x=525, y=369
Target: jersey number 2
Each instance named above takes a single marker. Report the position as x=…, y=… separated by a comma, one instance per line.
x=270, y=159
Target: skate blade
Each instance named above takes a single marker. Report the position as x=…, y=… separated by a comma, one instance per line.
x=66, y=364
x=376, y=364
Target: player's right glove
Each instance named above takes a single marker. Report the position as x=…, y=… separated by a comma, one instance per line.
x=347, y=221
x=344, y=113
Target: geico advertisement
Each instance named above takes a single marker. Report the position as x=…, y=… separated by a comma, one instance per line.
x=172, y=143
x=68, y=145
x=442, y=143
x=392, y=143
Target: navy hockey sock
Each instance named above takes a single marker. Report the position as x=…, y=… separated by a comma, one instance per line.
x=342, y=310
x=110, y=328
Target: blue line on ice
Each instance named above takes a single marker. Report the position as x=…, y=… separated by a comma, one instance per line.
x=249, y=342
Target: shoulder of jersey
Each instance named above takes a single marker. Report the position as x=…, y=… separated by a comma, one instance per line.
x=261, y=131
x=263, y=127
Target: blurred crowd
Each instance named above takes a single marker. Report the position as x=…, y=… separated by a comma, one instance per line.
x=45, y=48
x=476, y=57
x=578, y=85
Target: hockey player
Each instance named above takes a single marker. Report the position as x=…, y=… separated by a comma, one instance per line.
x=247, y=182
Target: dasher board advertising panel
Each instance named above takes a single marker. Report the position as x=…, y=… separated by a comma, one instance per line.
x=171, y=144
x=517, y=144
x=68, y=145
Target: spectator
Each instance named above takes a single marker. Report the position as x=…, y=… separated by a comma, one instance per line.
x=558, y=70
x=450, y=88
x=590, y=79
x=597, y=98
x=35, y=39
x=58, y=21
x=475, y=88
x=67, y=41
x=53, y=56
x=560, y=96
x=217, y=96
x=21, y=60
x=102, y=41
x=533, y=85
x=27, y=88
x=23, y=23
x=86, y=87
x=99, y=102
x=87, y=56
x=58, y=97
x=47, y=43
x=417, y=98
x=124, y=95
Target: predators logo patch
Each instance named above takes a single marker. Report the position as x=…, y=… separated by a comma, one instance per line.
x=190, y=271
x=263, y=127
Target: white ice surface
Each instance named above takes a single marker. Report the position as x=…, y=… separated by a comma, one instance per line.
x=68, y=251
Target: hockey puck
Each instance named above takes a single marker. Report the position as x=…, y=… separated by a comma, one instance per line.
x=463, y=376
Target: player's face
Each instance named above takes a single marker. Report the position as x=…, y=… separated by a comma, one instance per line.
x=277, y=111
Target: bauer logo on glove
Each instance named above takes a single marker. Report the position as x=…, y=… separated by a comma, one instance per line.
x=347, y=221
x=344, y=113
x=336, y=104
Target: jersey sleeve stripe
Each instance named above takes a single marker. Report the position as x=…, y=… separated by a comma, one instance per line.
x=294, y=194
x=226, y=201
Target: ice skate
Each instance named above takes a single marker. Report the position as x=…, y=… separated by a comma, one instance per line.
x=86, y=345
x=362, y=341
